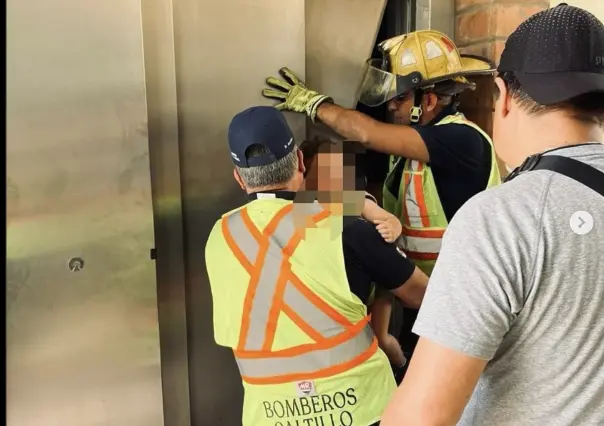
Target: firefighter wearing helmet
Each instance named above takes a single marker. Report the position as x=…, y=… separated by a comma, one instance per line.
x=439, y=159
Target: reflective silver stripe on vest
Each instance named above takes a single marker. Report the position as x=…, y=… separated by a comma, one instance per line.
x=267, y=283
x=411, y=204
x=263, y=300
x=421, y=244
x=309, y=362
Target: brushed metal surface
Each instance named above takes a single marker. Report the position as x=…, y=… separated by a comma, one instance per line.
x=340, y=35
x=224, y=51
x=436, y=15
x=162, y=109
x=82, y=346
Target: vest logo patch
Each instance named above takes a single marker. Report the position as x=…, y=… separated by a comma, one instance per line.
x=306, y=388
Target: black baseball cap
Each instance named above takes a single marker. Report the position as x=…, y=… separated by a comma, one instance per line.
x=557, y=54
x=262, y=125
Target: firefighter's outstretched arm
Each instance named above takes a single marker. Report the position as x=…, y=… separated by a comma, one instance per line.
x=394, y=139
x=391, y=139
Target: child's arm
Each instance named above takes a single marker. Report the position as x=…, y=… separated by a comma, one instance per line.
x=388, y=225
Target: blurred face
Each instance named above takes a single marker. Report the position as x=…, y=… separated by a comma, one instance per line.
x=508, y=144
x=330, y=171
x=332, y=175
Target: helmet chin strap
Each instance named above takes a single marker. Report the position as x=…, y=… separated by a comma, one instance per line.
x=416, y=109
x=455, y=102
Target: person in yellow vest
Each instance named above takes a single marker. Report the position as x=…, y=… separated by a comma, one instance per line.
x=301, y=337
x=439, y=159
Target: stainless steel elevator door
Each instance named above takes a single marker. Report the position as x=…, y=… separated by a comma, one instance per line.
x=82, y=332
x=224, y=50
x=340, y=35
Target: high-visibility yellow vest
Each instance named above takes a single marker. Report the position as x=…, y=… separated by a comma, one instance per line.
x=418, y=205
x=305, y=349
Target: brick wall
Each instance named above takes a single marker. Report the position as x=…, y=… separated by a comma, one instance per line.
x=481, y=28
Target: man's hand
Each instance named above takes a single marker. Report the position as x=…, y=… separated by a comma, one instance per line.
x=294, y=94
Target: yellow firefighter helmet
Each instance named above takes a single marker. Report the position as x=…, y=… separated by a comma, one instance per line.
x=418, y=60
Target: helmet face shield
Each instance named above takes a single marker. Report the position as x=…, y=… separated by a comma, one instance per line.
x=377, y=86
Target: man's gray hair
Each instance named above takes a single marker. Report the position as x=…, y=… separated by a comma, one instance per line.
x=272, y=175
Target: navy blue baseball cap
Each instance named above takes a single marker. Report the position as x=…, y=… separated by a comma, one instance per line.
x=262, y=125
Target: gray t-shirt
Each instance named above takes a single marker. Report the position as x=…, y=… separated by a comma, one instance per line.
x=516, y=286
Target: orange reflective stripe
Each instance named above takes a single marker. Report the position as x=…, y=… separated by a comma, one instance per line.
x=308, y=348
x=413, y=202
x=300, y=362
x=299, y=321
x=275, y=288
x=418, y=182
x=403, y=200
x=307, y=375
x=318, y=302
x=424, y=233
x=277, y=304
x=235, y=249
x=247, y=221
x=254, y=271
x=413, y=255
x=422, y=244
x=258, y=269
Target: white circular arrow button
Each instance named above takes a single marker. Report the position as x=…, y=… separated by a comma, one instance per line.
x=581, y=222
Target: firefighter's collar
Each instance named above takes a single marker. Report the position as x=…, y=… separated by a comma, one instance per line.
x=450, y=109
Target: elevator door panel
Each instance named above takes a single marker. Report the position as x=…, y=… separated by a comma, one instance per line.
x=224, y=51
x=82, y=331
x=340, y=35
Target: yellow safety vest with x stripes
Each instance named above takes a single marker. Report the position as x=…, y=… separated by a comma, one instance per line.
x=301, y=338
x=418, y=205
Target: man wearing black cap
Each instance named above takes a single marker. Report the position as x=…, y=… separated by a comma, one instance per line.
x=512, y=325
x=289, y=293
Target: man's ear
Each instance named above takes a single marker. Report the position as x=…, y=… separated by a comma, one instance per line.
x=238, y=179
x=503, y=103
x=301, y=166
x=430, y=101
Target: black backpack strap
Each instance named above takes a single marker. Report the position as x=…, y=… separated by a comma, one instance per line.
x=581, y=172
